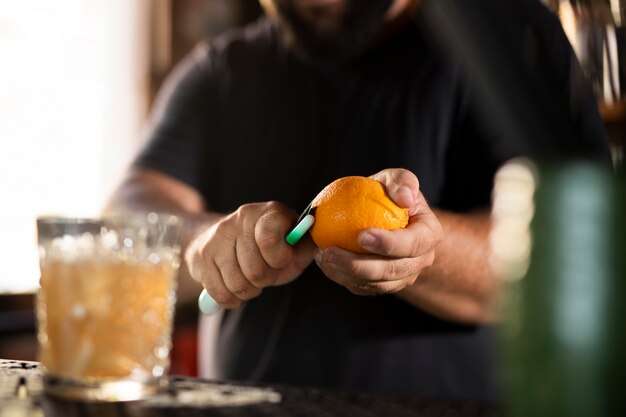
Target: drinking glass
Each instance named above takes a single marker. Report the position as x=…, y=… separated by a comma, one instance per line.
x=106, y=304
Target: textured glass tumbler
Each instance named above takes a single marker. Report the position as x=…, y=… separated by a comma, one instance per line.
x=106, y=303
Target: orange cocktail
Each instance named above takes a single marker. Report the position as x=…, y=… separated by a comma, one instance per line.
x=105, y=309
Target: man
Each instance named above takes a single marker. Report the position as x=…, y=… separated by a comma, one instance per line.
x=251, y=127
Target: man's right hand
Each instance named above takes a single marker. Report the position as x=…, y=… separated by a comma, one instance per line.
x=246, y=251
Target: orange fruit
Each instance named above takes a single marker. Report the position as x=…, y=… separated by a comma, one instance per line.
x=347, y=206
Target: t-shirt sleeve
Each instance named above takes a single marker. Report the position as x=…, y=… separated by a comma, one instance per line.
x=180, y=131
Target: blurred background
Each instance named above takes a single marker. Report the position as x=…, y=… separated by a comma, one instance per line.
x=78, y=79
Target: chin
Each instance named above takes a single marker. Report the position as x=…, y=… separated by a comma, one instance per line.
x=328, y=32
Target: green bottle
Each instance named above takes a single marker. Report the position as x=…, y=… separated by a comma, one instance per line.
x=564, y=332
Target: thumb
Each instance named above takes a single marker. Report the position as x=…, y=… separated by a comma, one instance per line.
x=401, y=185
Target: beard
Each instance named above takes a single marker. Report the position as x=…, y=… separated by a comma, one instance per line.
x=336, y=43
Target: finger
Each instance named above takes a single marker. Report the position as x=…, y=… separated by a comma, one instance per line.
x=401, y=185
x=256, y=271
x=373, y=277
x=418, y=238
x=303, y=256
x=212, y=280
x=269, y=233
x=345, y=266
x=200, y=260
x=234, y=278
x=304, y=251
x=422, y=235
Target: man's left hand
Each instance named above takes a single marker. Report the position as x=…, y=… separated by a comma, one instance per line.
x=397, y=257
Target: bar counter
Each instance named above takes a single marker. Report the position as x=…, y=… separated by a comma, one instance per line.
x=21, y=395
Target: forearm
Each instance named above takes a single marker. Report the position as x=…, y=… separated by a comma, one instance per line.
x=150, y=191
x=459, y=286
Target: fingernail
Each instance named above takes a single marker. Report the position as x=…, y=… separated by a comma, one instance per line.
x=318, y=255
x=404, y=193
x=367, y=239
x=331, y=258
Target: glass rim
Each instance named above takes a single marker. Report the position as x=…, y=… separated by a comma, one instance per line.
x=152, y=217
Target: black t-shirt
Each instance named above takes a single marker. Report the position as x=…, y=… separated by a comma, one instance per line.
x=243, y=120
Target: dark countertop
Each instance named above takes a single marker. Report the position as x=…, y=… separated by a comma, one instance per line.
x=21, y=394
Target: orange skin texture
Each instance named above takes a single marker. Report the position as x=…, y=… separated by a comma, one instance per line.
x=349, y=205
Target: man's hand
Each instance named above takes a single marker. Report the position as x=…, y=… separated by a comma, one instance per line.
x=398, y=256
x=246, y=251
